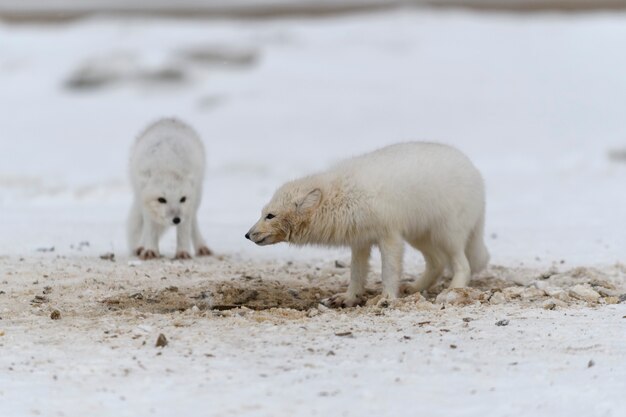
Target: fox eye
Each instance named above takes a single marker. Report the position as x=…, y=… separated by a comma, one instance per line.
x=162, y=200
x=182, y=200
x=269, y=216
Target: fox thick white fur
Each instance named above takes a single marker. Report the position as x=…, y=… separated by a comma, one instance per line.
x=426, y=194
x=166, y=171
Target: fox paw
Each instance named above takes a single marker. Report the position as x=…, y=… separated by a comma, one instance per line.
x=182, y=254
x=204, y=251
x=138, y=251
x=148, y=254
x=343, y=300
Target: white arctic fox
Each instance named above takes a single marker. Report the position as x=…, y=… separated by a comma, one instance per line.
x=166, y=171
x=426, y=194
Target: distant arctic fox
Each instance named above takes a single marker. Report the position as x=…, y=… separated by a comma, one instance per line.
x=426, y=194
x=166, y=171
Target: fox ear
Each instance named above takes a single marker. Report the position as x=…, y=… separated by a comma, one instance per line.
x=309, y=201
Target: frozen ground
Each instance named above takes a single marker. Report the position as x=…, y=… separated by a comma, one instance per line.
x=537, y=102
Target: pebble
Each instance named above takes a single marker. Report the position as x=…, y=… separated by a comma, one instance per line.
x=532, y=294
x=584, y=292
x=607, y=292
x=313, y=312
x=161, y=340
x=503, y=322
x=553, y=291
x=497, y=298
x=322, y=308
x=459, y=296
x=55, y=315
x=553, y=303
x=513, y=292
x=339, y=264
x=109, y=256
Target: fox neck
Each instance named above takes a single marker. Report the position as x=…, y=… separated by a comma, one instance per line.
x=335, y=221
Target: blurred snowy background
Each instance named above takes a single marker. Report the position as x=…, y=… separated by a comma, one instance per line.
x=536, y=99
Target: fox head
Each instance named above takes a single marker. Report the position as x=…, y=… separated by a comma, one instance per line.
x=170, y=200
x=285, y=217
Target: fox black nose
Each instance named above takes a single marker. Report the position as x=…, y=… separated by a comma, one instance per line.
x=248, y=236
x=176, y=220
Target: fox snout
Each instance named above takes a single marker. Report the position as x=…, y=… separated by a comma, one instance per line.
x=256, y=237
x=261, y=235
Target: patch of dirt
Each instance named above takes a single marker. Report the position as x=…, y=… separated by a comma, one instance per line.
x=221, y=296
x=548, y=289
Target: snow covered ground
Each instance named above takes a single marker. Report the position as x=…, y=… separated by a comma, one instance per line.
x=537, y=102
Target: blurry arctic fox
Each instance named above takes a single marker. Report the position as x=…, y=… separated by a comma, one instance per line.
x=426, y=194
x=166, y=171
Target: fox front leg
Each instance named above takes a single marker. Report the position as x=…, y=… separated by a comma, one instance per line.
x=150, y=239
x=183, y=240
x=359, y=269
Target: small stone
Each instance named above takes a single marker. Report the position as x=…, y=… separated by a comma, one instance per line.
x=459, y=296
x=611, y=300
x=590, y=363
x=50, y=249
x=55, y=315
x=530, y=294
x=584, y=292
x=313, y=312
x=2, y=333
x=453, y=346
x=497, y=298
x=109, y=256
x=553, y=303
x=553, y=291
x=39, y=299
x=344, y=334
x=161, y=340
x=607, y=292
x=322, y=308
x=503, y=322
x=512, y=292
x=339, y=264
x=195, y=309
